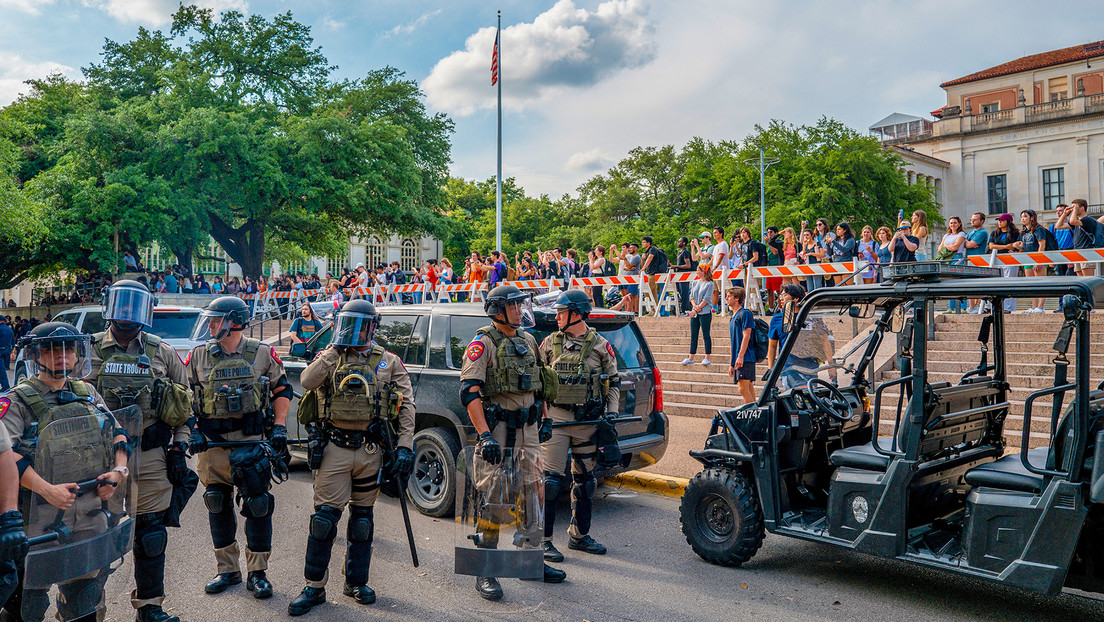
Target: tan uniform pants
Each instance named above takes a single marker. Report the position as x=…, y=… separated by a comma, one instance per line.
x=213, y=466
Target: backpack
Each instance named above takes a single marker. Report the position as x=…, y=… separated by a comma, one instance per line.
x=660, y=261
x=511, y=274
x=759, y=339
x=1051, y=241
x=760, y=248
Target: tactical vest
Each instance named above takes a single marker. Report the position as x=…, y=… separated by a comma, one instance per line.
x=232, y=390
x=517, y=370
x=92, y=444
x=353, y=394
x=576, y=380
x=121, y=382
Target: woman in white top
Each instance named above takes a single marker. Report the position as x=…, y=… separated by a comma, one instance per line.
x=920, y=230
x=953, y=246
x=701, y=313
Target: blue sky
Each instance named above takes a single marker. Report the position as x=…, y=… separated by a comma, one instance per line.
x=587, y=80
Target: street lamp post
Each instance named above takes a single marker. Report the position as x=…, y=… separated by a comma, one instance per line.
x=761, y=164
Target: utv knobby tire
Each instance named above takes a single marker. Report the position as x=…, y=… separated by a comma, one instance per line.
x=721, y=517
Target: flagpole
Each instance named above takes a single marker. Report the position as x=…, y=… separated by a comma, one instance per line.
x=498, y=185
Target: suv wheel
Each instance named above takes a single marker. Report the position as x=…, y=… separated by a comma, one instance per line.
x=432, y=485
x=20, y=374
x=721, y=517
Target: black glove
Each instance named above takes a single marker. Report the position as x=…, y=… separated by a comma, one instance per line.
x=545, y=433
x=197, y=444
x=13, y=540
x=176, y=464
x=489, y=449
x=278, y=438
x=404, y=464
x=765, y=374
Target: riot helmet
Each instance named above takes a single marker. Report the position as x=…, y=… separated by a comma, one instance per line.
x=128, y=305
x=223, y=314
x=355, y=324
x=575, y=301
x=506, y=304
x=58, y=350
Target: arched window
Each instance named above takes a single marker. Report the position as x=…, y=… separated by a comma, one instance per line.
x=409, y=254
x=374, y=253
x=334, y=265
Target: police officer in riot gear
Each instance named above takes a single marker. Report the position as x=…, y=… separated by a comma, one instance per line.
x=360, y=388
x=501, y=385
x=234, y=379
x=133, y=367
x=13, y=537
x=60, y=357
x=587, y=390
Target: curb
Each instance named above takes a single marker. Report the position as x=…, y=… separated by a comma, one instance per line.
x=667, y=485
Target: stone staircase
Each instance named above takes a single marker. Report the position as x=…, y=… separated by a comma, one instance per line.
x=699, y=391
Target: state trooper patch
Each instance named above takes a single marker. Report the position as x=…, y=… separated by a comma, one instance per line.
x=475, y=350
x=188, y=358
x=609, y=349
x=4, y=403
x=276, y=357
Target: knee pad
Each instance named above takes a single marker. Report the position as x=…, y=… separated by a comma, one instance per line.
x=259, y=506
x=584, y=484
x=361, y=524
x=554, y=484
x=152, y=542
x=217, y=498
x=323, y=523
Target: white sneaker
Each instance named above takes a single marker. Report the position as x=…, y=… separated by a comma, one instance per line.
x=706, y=361
x=687, y=361
x=971, y=309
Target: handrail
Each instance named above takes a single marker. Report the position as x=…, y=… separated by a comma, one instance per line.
x=876, y=415
x=960, y=413
x=1069, y=386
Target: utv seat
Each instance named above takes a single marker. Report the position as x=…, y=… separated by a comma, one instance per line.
x=1009, y=473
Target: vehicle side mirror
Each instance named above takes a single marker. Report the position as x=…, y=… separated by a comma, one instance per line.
x=298, y=350
x=1096, y=490
x=897, y=320
x=788, y=310
x=861, y=311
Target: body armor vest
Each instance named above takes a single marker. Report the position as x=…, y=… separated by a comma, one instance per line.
x=91, y=444
x=517, y=370
x=576, y=380
x=353, y=394
x=232, y=390
x=122, y=382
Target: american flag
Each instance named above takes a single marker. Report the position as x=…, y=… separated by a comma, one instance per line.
x=494, y=61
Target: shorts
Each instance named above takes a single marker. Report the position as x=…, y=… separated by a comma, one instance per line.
x=630, y=290
x=1078, y=267
x=745, y=372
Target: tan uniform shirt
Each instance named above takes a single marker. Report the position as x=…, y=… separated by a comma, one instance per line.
x=482, y=355
x=390, y=369
x=166, y=364
x=601, y=357
x=17, y=414
x=5, y=438
x=199, y=363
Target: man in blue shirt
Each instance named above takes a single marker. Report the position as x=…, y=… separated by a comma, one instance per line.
x=741, y=359
x=170, y=283
x=7, y=342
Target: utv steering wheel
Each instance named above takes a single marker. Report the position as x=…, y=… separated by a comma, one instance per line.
x=834, y=404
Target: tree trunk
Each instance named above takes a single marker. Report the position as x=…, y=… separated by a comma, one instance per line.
x=245, y=245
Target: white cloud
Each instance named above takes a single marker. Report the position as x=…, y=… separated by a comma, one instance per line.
x=329, y=23
x=590, y=161
x=564, y=47
x=156, y=12
x=15, y=70
x=409, y=27
x=26, y=6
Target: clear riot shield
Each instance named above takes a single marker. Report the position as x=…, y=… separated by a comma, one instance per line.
x=500, y=514
x=73, y=548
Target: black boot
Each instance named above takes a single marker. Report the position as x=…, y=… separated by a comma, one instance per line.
x=551, y=554
x=488, y=588
x=307, y=600
x=551, y=575
x=259, y=584
x=154, y=613
x=361, y=593
x=222, y=581
x=586, y=544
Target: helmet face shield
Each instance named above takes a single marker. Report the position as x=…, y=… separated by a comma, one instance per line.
x=62, y=358
x=519, y=313
x=129, y=304
x=211, y=325
x=354, y=329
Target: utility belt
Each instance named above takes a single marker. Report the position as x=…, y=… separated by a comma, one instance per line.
x=514, y=419
x=251, y=424
x=350, y=439
x=591, y=410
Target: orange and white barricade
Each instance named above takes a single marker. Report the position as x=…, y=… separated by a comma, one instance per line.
x=447, y=291
x=1042, y=258
x=801, y=271
x=618, y=281
x=537, y=284
x=395, y=292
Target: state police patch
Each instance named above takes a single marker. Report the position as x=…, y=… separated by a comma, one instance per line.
x=276, y=357
x=609, y=349
x=475, y=350
x=4, y=403
x=188, y=358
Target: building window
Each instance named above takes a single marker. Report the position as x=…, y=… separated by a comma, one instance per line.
x=373, y=253
x=334, y=265
x=1054, y=187
x=993, y=107
x=998, y=193
x=409, y=255
x=210, y=258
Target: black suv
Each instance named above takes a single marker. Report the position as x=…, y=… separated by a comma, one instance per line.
x=430, y=340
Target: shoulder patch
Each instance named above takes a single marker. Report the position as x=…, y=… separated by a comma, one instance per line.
x=4, y=404
x=475, y=350
x=276, y=357
x=609, y=349
x=187, y=358
x=382, y=365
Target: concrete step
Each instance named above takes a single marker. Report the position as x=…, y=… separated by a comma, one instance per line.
x=699, y=387
x=1031, y=365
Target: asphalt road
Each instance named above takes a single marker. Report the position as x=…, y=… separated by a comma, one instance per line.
x=649, y=574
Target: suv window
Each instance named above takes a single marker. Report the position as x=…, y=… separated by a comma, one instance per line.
x=172, y=324
x=394, y=334
x=93, y=322
x=461, y=332
x=67, y=317
x=416, y=351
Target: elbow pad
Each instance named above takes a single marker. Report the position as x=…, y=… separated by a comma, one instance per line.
x=124, y=446
x=467, y=396
x=122, y=432
x=283, y=389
